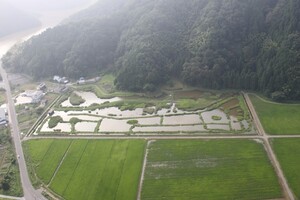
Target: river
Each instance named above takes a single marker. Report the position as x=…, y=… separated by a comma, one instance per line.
x=48, y=19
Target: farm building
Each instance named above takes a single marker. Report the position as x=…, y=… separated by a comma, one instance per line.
x=41, y=86
x=60, y=79
x=36, y=96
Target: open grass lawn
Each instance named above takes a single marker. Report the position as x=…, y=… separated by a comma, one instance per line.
x=288, y=154
x=277, y=118
x=91, y=169
x=209, y=169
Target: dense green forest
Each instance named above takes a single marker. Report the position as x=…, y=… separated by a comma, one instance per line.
x=239, y=44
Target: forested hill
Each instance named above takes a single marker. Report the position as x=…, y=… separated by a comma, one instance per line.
x=243, y=44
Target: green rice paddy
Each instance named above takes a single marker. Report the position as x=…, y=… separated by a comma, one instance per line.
x=88, y=169
x=209, y=169
x=288, y=154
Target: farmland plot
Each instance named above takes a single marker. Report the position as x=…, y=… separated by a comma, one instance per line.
x=277, y=118
x=288, y=153
x=90, y=169
x=210, y=169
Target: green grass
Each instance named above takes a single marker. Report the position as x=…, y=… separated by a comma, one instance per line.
x=132, y=122
x=217, y=118
x=91, y=169
x=191, y=105
x=209, y=169
x=54, y=121
x=9, y=171
x=107, y=79
x=76, y=100
x=192, y=100
x=288, y=153
x=277, y=118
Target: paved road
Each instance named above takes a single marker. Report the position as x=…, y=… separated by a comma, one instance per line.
x=287, y=191
x=29, y=192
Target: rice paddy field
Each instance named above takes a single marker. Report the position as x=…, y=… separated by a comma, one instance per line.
x=88, y=169
x=223, y=113
x=278, y=119
x=209, y=169
x=288, y=154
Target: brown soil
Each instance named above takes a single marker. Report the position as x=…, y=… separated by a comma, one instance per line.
x=230, y=104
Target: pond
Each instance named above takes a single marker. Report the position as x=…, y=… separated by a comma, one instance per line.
x=245, y=124
x=90, y=98
x=218, y=127
x=208, y=117
x=236, y=126
x=114, y=125
x=85, y=126
x=169, y=128
x=182, y=119
x=66, y=116
x=149, y=121
x=116, y=112
x=61, y=127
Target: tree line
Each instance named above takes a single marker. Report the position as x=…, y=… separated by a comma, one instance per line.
x=240, y=44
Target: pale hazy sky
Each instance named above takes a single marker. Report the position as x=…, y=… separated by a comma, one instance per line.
x=43, y=5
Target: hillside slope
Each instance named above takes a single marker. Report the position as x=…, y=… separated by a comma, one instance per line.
x=241, y=44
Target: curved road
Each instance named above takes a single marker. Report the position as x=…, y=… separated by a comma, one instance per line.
x=29, y=192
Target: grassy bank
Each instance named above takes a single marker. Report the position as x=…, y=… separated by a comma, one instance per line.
x=277, y=118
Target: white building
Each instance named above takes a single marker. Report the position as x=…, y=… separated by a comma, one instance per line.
x=36, y=96
x=60, y=79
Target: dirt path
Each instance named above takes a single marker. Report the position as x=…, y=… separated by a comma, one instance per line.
x=158, y=137
x=283, y=182
x=255, y=118
x=143, y=170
